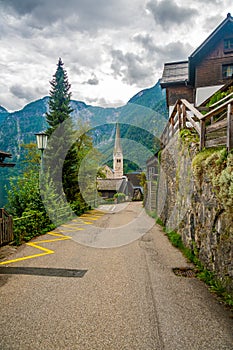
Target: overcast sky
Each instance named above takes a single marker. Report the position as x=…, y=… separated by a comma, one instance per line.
x=111, y=49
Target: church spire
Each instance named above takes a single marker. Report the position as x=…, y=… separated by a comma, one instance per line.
x=117, y=155
x=117, y=147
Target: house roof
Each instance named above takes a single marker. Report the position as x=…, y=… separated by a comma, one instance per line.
x=174, y=73
x=4, y=155
x=109, y=184
x=134, y=178
x=226, y=26
x=152, y=161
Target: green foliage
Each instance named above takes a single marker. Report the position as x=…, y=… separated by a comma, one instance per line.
x=32, y=223
x=109, y=201
x=215, y=285
x=120, y=197
x=25, y=202
x=59, y=119
x=30, y=157
x=143, y=184
x=24, y=194
x=189, y=136
x=79, y=206
x=142, y=179
x=159, y=222
x=218, y=96
x=159, y=156
x=220, y=171
x=59, y=101
x=26, y=206
x=205, y=275
x=198, y=162
x=218, y=165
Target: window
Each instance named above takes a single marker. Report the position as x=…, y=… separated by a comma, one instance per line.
x=227, y=71
x=228, y=45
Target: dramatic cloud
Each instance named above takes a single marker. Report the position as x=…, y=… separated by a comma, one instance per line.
x=92, y=81
x=24, y=92
x=167, y=13
x=211, y=22
x=129, y=66
x=22, y=7
x=111, y=49
x=164, y=53
x=82, y=14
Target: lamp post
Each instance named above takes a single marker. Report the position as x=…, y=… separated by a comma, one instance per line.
x=41, y=139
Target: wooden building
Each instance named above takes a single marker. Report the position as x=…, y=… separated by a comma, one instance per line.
x=152, y=168
x=207, y=69
x=109, y=187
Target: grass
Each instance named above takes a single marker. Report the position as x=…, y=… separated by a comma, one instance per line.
x=203, y=274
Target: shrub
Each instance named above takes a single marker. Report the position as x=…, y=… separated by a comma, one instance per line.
x=120, y=197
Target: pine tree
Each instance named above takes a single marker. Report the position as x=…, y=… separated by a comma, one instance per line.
x=60, y=154
x=59, y=102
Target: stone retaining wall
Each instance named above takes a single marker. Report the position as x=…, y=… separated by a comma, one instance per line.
x=189, y=205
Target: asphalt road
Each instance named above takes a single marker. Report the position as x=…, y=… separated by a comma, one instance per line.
x=124, y=297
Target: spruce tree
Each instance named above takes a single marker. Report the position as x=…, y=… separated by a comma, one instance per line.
x=61, y=131
x=59, y=101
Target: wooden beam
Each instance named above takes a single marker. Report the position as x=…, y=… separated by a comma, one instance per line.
x=196, y=127
x=192, y=109
x=202, y=134
x=216, y=126
x=183, y=107
x=229, y=127
x=179, y=116
x=220, y=141
x=217, y=110
x=221, y=101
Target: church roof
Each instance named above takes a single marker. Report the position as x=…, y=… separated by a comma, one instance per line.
x=109, y=184
x=117, y=146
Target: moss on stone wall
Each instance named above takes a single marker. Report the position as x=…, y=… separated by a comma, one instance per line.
x=218, y=165
x=195, y=198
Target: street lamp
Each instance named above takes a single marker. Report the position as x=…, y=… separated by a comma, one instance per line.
x=41, y=139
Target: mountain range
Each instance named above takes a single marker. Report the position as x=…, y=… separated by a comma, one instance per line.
x=141, y=122
x=144, y=114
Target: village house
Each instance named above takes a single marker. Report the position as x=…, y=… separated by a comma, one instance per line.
x=115, y=181
x=206, y=71
x=3, y=156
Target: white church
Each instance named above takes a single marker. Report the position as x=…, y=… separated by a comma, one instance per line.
x=116, y=181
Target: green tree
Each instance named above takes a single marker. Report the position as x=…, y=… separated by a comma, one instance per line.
x=62, y=153
x=59, y=102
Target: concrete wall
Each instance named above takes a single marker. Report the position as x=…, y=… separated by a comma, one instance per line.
x=188, y=204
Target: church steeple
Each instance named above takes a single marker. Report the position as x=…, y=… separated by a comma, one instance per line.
x=117, y=155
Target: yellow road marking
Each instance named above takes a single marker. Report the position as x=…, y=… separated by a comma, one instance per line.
x=81, y=222
x=60, y=237
x=78, y=222
x=36, y=245
x=90, y=217
x=71, y=227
